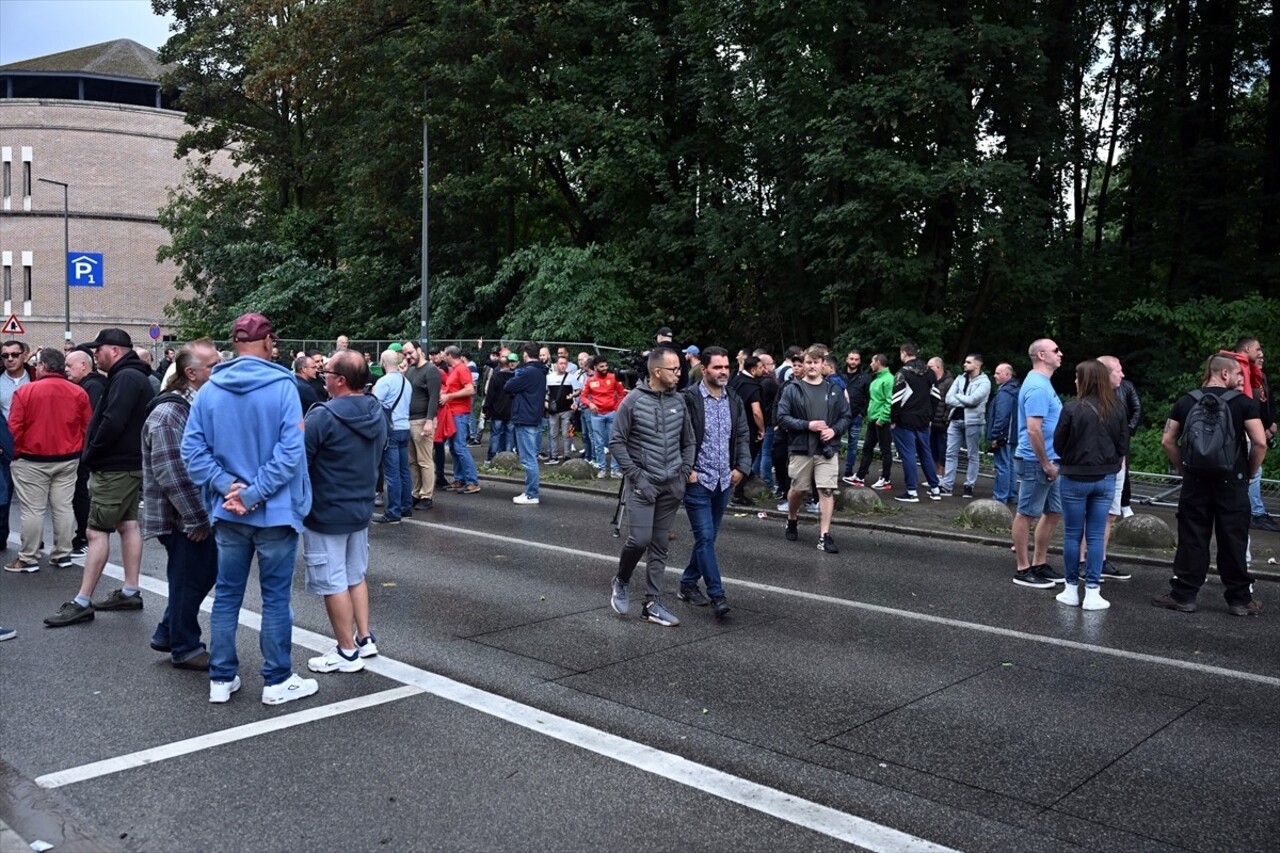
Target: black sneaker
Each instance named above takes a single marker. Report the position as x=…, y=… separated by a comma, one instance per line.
x=945, y=491
x=386, y=519
x=907, y=498
x=69, y=614
x=720, y=606
x=117, y=600
x=740, y=500
x=1264, y=522
x=1170, y=603
x=826, y=543
x=968, y=491
x=690, y=594
x=1028, y=577
x=1114, y=573
x=792, y=532
x=1049, y=573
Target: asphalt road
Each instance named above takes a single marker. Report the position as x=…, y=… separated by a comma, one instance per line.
x=901, y=694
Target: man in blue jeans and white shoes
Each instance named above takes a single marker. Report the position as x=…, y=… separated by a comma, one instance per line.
x=344, y=438
x=722, y=451
x=528, y=390
x=1036, y=463
x=244, y=448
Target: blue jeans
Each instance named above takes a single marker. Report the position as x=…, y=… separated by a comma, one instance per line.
x=501, y=437
x=192, y=570
x=277, y=549
x=1085, y=506
x=958, y=432
x=588, y=449
x=1256, y=506
x=464, y=467
x=705, y=508
x=913, y=445
x=1005, y=486
x=851, y=459
x=527, y=440
x=395, y=468
x=764, y=462
x=601, y=426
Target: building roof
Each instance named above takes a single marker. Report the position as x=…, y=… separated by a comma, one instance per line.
x=119, y=58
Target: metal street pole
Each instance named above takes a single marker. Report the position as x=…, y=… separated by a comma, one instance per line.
x=424, y=336
x=66, y=252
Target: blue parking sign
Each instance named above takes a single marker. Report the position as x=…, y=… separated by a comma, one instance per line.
x=84, y=269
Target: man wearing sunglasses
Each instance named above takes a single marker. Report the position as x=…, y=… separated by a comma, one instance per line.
x=16, y=373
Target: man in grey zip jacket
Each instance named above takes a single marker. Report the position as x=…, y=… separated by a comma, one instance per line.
x=653, y=444
x=966, y=402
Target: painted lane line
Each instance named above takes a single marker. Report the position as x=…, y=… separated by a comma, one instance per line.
x=761, y=798
x=220, y=738
x=1242, y=675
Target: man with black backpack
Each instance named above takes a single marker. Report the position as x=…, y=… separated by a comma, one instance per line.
x=1204, y=438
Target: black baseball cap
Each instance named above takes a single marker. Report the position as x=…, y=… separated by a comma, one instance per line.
x=111, y=337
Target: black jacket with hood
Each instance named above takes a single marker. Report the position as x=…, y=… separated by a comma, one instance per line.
x=794, y=417
x=114, y=440
x=915, y=396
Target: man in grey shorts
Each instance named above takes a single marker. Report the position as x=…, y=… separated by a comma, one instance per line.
x=345, y=438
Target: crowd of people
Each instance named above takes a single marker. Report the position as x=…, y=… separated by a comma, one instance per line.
x=222, y=456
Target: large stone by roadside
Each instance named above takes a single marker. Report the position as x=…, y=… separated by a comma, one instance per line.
x=505, y=462
x=858, y=500
x=1142, y=531
x=985, y=514
x=575, y=469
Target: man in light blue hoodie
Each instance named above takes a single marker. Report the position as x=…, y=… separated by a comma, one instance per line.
x=244, y=448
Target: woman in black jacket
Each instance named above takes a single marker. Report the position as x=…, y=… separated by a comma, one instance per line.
x=1091, y=438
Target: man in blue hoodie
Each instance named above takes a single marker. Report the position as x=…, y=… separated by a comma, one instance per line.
x=345, y=438
x=243, y=445
x=528, y=392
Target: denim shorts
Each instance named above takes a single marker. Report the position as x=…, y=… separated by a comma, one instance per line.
x=1036, y=495
x=335, y=561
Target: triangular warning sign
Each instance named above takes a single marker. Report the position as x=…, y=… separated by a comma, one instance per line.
x=12, y=326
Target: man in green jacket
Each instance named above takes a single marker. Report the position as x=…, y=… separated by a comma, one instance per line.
x=881, y=396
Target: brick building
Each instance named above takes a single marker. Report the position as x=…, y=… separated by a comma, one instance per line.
x=96, y=119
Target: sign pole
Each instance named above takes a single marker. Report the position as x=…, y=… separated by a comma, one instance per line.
x=66, y=253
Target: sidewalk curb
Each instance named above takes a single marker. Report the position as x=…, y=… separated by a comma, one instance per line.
x=858, y=522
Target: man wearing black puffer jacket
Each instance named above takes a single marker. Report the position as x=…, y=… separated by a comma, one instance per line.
x=113, y=454
x=653, y=443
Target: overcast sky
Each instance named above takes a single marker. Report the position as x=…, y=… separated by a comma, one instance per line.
x=31, y=28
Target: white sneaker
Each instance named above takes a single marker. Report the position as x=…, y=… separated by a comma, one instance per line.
x=811, y=507
x=336, y=661
x=524, y=500
x=369, y=648
x=1069, y=596
x=220, y=691
x=293, y=687
x=1093, y=600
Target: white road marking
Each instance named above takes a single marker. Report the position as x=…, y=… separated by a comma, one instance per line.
x=761, y=798
x=219, y=738
x=1241, y=675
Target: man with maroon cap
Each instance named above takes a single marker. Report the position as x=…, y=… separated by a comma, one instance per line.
x=113, y=455
x=244, y=448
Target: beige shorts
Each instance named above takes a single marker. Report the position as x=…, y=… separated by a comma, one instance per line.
x=824, y=472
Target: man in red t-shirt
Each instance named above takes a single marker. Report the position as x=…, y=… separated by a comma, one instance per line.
x=602, y=393
x=456, y=390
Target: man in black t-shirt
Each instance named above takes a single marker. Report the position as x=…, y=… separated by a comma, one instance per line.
x=1212, y=503
x=746, y=385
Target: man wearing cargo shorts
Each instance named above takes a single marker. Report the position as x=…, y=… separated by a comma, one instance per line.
x=113, y=455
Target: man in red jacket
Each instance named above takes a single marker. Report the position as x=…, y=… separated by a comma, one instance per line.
x=48, y=419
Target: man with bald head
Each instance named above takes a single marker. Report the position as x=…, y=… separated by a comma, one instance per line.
x=1002, y=431
x=1037, y=463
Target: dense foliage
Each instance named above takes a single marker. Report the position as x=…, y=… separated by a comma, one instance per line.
x=971, y=173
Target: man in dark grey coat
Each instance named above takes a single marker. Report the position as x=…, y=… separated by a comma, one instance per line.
x=653, y=444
